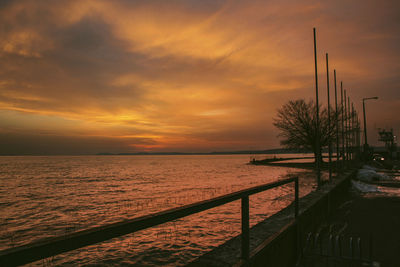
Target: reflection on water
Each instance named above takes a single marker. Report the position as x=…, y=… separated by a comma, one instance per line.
x=50, y=196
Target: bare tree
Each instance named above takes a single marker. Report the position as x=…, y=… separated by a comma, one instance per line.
x=296, y=121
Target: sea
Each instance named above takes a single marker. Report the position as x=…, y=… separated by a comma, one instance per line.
x=49, y=196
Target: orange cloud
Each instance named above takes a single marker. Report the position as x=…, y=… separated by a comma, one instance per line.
x=185, y=75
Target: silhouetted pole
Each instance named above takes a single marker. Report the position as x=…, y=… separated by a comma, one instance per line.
x=346, y=158
x=348, y=129
x=351, y=110
x=329, y=120
x=317, y=141
x=352, y=131
x=359, y=135
x=355, y=134
x=342, y=108
x=337, y=125
x=353, y=143
x=365, y=129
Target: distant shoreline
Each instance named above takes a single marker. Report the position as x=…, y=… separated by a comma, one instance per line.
x=240, y=152
x=244, y=152
x=142, y=153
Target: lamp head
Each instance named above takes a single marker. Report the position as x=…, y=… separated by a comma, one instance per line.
x=368, y=98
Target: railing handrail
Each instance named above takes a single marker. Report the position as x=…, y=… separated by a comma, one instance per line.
x=55, y=245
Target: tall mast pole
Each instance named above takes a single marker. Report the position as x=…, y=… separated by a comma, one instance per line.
x=353, y=130
x=365, y=129
x=337, y=124
x=342, y=108
x=329, y=120
x=317, y=141
x=346, y=157
x=349, y=155
x=359, y=133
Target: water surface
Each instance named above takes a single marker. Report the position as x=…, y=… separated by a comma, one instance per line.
x=54, y=195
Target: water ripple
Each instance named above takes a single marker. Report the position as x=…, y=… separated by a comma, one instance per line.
x=51, y=196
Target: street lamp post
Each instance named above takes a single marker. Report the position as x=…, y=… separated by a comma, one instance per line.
x=365, y=123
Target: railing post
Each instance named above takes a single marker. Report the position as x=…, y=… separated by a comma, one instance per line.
x=296, y=214
x=245, y=228
x=296, y=197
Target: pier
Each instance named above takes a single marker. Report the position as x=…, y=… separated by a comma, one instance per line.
x=276, y=240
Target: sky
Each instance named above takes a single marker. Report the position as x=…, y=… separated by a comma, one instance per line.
x=84, y=77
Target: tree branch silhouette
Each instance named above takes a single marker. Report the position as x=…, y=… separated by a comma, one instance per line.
x=297, y=123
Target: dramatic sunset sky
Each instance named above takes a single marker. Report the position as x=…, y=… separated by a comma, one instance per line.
x=79, y=77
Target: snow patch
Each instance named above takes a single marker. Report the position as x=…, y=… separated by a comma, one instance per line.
x=369, y=175
x=365, y=188
x=367, y=167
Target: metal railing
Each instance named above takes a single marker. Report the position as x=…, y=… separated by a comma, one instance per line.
x=331, y=249
x=53, y=246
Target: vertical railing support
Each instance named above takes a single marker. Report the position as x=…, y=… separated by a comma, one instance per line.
x=370, y=247
x=296, y=215
x=245, y=228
